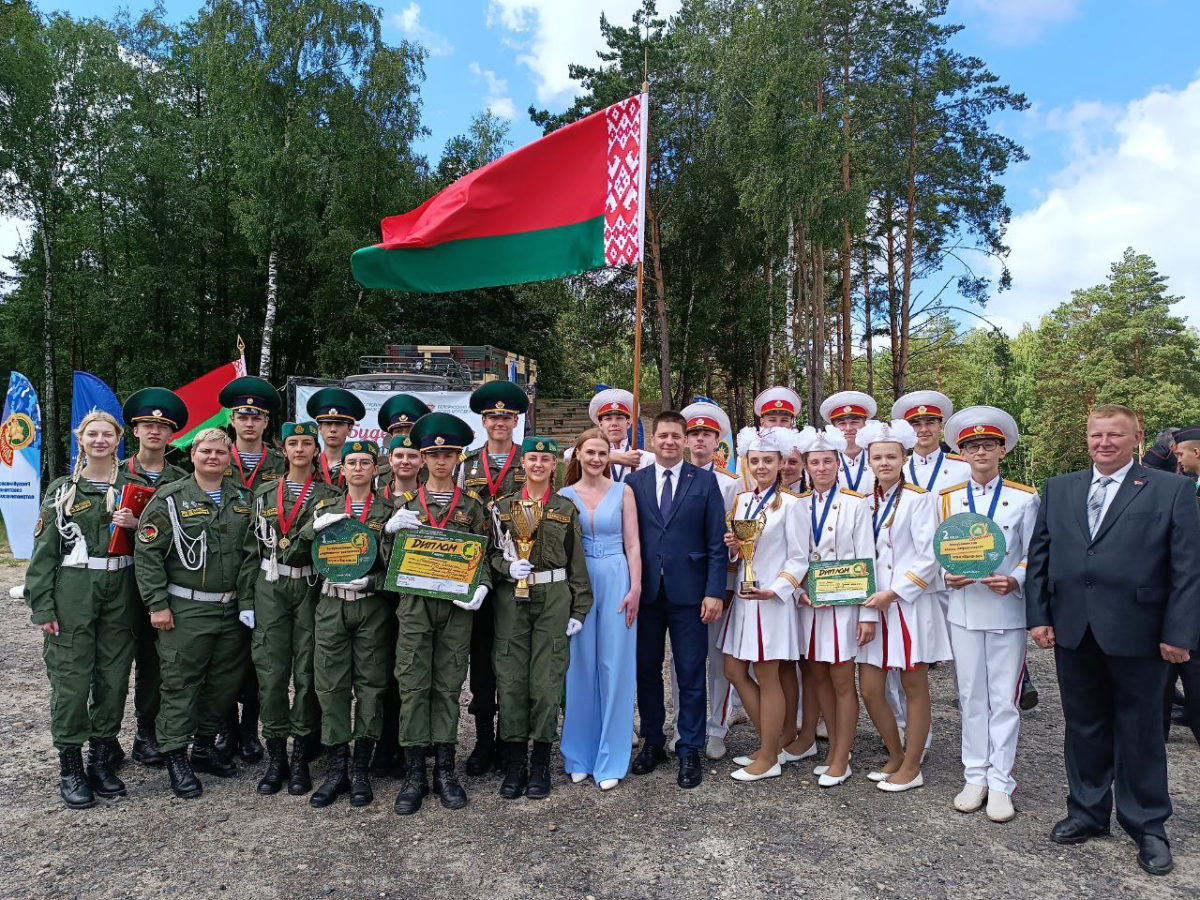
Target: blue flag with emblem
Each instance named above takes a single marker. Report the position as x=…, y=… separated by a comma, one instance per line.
x=89, y=392
x=20, y=464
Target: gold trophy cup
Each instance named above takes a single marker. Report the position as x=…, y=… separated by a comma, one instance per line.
x=524, y=518
x=748, y=531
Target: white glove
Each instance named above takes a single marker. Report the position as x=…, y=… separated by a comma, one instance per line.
x=520, y=569
x=356, y=585
x=402, y=518
x=246, y=617
x=574, y=626
x=324, y=520
x=475, y=602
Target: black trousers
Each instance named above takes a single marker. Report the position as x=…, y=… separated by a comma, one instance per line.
x=483, y=673
x=1114, y=735
x=1189, y=673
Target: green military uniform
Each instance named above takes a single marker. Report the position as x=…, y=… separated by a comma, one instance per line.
x=269, y=469
x=334, y=404
x=95, y=606
x=188, y=556
x=398, y=414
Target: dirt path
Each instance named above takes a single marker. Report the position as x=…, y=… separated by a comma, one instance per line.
x=646, y=839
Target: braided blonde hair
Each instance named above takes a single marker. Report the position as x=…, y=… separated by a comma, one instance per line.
x=66, y=498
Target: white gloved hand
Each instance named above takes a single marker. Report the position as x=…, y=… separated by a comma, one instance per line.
x=402, y=518
x=574, y=626
x=246, y=617
x=357, y=584
x=475, y=602
x=324, y=520
x=520, y=569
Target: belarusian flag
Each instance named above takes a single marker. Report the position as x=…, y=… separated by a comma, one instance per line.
x=204, y=406
x=567, y=203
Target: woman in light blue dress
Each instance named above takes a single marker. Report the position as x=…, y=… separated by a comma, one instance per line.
x=602, y=676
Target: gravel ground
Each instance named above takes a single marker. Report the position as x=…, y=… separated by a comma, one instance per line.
x=781, y=838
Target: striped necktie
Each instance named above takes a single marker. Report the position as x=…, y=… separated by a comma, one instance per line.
x=1096, y=502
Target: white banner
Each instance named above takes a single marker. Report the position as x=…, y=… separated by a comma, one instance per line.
x=457, y=403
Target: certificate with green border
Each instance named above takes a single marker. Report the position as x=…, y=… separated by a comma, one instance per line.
x=841, y=582
x=432, y=562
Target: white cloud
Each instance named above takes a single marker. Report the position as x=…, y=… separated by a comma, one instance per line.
x=497, y=100
x=1132, y=180
x=408, y=20
x=1015, y=21
x=12, y=233
x=551, y=34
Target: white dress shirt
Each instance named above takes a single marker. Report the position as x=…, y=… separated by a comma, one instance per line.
x=1111, y=491
x=658, y=480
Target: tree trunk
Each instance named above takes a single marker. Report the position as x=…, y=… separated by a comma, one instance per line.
x=768, y=277
x=847, y=356
x=866, y=274
x=817, y=373
x=893, y=311
x=264, y=362
x=50, y=436
x=789, y=323
x=910, y=219
x=660, y=298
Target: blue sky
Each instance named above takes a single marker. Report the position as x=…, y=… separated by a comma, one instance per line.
x=1113, y=134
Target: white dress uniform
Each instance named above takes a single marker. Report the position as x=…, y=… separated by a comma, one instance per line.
x=987, y=635
x=763, y=630
x=856, y=474
x=853, y=473
x=830, y=634
x=913, y=629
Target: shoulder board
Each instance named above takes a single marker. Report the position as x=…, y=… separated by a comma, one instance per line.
x=473, y=495
x=850, y=493
x=462, y=457
x=174, y=487
x=955, y=456
x=791, y=493
x=327, y=501
x=1016, y=485
x=956, y=487
x=410, y=495
x=915, y=488
x=805, y=494
x=743, y=493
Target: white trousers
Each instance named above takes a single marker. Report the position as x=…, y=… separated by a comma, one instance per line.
x=988, y=665
x=722, y=698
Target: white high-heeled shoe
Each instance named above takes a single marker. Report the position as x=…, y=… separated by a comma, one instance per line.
x=578, y=777
x=742, y=775
x=609, y=783
x=827, y=781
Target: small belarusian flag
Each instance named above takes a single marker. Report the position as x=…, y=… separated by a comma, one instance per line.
x=567, y=203
x=202, y=397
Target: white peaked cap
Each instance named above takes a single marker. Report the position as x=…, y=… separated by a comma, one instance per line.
x=848, y=403
x=978, y=422
x=610, y=400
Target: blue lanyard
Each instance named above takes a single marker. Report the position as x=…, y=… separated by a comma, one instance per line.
x=877, y=519
x=862, y=463
x=761, y=503
x=912, y=467
x=818, y=528
x=995, y=500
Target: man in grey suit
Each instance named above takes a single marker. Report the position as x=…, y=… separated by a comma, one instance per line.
x=1113, y=585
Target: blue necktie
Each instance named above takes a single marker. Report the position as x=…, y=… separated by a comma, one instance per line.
x=664, y=502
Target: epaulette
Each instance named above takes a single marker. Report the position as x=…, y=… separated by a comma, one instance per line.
x=327, y=501
x=740, y=493
x=955, y=456
x=851, y=493
x=1016, y=485
x=805, y=494
x=915, y=488
x=409, y=496
x=473, y=495
x=954, y=487
x=173, y=488
x=462, y=457
x=789, y=492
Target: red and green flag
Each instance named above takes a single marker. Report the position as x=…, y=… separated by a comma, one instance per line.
x=203, y=403
x=567, y=203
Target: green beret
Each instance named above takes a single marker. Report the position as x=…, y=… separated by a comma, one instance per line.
x=250, y=394
x=298, y=429
x=368, y=447
x=539, y=445
x=334, y=404
x=441, y=431
x=155, y=404
x=402, y=409
x=499, y=398
x=401, y=440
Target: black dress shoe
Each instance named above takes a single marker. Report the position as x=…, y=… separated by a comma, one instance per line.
x=1154, y=855
x=690, y=772
x=1072, y=831
x=648, y=759
x=1029, y=694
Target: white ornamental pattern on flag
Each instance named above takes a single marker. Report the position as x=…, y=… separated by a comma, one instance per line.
x=626, y=181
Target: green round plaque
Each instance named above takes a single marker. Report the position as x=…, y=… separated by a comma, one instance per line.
x=969, y=545
x=345, y=550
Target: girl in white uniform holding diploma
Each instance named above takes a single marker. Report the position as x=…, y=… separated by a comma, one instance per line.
x=840, y=520
x=912, y=631
x=763, y=625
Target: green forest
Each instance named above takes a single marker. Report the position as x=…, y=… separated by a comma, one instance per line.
x=826, y=209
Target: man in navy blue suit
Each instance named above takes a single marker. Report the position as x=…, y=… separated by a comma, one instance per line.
x=681, y=519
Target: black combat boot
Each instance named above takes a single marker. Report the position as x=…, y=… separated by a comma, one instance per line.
x=539, y=771
x=228, y=739
x=208, y=757
x=100, y=773
x=383, y=758
x=72, y=779
x=145, y=745
x=184, y=782
x=445, y=781
x=516, y=770
x=484, y=754
x=116, y=755
x=360, y=773
x=300, y=781
x=250, y=747
x=337, y=777
x=277, y=767
x=416, y=784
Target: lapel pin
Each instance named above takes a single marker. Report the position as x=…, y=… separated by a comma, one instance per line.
x=1138, y=483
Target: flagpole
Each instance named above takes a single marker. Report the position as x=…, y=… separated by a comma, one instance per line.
x=637, y=306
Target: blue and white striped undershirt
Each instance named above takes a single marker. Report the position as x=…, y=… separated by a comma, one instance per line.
x=215, y=495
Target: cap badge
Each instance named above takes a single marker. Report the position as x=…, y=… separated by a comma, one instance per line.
x=249, y=401
x=357, y=445
x=157, y=412
x=778, y=404
x=403, y=417
x=922, y=409
x=333, y=410
x=541, y=446
x=979, y=429
x=439, y=440
x=615, y=405
x=699, y=421
x=499, y=404
x=847, y=409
